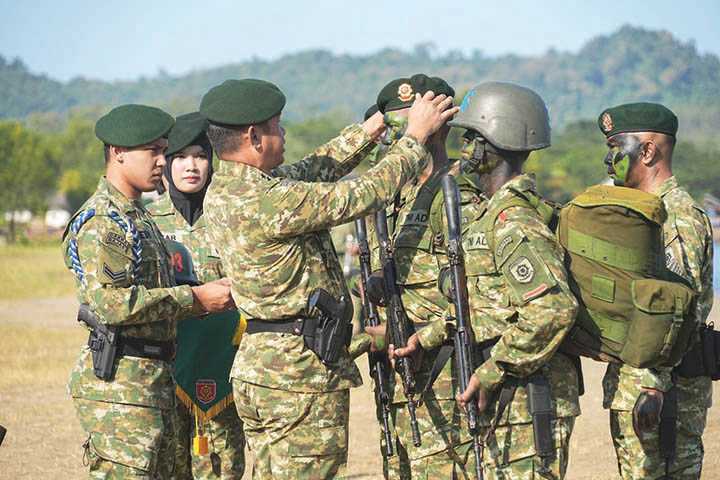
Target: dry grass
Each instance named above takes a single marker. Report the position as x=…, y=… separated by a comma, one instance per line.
x=33, y=272
x=39, y=343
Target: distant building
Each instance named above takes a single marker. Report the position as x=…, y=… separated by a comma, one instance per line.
x=58, y=212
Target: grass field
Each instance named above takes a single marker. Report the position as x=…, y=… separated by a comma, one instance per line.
x=33, y=272
x=39, y=341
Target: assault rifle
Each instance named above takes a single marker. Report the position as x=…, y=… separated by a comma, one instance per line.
x=379, y=368
x=464, y=341
x=397, y=320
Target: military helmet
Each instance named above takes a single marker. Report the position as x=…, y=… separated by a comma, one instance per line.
x=182, y=264
x=508, y=116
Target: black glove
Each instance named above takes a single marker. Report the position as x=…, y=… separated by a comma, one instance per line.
x=646, y=412
x=376, y=288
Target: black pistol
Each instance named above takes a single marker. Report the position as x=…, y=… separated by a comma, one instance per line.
x=103, y=343
x=334, y=329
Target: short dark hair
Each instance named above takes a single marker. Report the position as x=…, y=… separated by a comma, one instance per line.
x=106, y=152
x=224, y=139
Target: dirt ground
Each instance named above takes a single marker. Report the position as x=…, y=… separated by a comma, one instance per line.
x=39, y=341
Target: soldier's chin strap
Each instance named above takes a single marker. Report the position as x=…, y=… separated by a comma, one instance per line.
x=475, y=159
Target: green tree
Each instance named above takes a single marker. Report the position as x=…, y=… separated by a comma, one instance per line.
x=81, y=160
x=28, y=169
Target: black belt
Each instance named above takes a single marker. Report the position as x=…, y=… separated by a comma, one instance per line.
x=295, y=326
x=144, y=348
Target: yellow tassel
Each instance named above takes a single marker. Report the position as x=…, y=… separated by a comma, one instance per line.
x=200, y=441
x=240, y=330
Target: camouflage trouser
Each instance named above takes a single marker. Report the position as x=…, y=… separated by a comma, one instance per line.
x=127, y=441
x=225, y=437
x=441, y=454
x=641, y=458
x=294, y=435
x=510, y=452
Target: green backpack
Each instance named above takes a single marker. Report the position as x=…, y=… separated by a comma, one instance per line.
x=632, y=308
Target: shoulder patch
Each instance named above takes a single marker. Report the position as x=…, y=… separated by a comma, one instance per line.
x=522, y=270
x=526, y=273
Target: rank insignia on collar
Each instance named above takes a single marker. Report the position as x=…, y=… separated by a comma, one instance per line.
x=405, y=92
x=607, y=123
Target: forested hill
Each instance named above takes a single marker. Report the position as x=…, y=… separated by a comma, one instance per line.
x=629, y=65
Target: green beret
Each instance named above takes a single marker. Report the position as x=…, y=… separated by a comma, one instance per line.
x=638, y=117
x=187, y=129
x=133, y=125
x=242, y=102
x=400, y=93
x=372, y=110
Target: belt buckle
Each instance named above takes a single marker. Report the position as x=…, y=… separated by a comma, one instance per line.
x=298, y=326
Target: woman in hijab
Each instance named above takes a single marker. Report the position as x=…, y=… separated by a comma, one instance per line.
x=210, y=437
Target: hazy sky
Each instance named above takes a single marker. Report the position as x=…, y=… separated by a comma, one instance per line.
x=125, y=39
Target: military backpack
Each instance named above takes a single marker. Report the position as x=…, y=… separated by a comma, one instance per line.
x=632, y=308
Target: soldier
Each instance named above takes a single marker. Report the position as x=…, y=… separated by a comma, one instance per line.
x=418, y=248
x=270, y=223
x=205, y=350
x=521, y=305
x=122, y=272
x=641, y=139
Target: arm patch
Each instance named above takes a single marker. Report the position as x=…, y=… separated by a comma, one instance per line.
x=523, y=268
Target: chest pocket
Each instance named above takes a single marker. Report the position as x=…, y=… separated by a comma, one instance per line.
x=154, y=264
x=414, y=255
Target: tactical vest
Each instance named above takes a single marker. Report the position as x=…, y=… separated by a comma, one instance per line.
x=632, y=308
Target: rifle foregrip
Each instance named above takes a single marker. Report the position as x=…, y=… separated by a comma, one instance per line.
x=381, y=225
x=451, y=195
x=361, y=230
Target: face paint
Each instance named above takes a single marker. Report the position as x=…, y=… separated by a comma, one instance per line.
x=474, y=154
x=395, y=126
x=620, y=157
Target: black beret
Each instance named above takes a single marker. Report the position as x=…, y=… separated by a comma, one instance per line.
x=187, y=129
x=400, y=93
x=372, y=110
x=133, y=125
x=242, y=102
x=638, y=117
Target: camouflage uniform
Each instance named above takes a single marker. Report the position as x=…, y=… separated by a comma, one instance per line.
x=130, y=419
x=226, y=432
x=273, y=239
x=688, y=252
x=519, y=295
x=419, y=254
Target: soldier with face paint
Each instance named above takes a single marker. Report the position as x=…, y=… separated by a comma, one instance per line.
x=641, y=139
x=416, y=233
x=521, y=306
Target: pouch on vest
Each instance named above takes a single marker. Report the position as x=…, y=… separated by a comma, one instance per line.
x=632, y=308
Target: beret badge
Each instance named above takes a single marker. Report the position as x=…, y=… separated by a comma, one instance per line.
x=607, y=122
x=405, y=92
